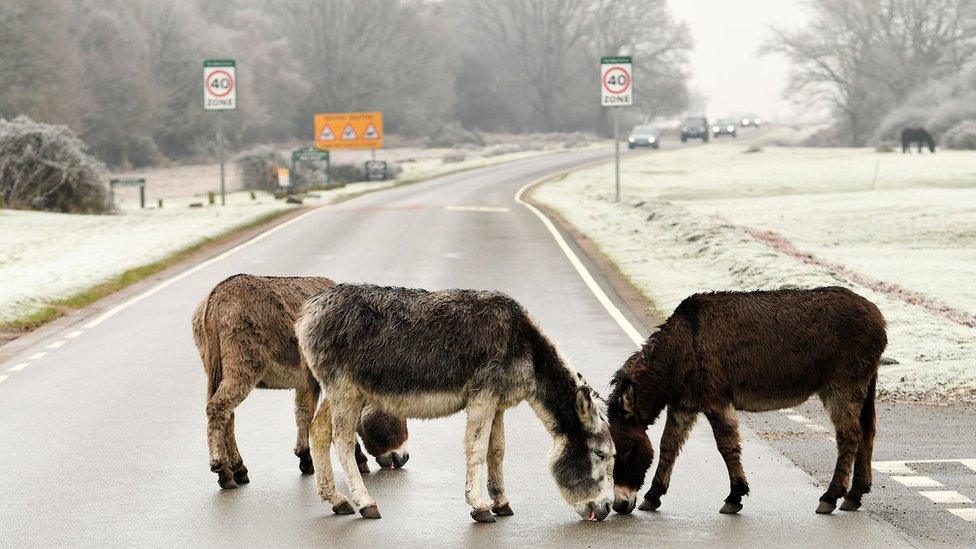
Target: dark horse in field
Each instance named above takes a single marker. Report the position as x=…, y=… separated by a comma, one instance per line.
x=754, y=351
x=916, y=135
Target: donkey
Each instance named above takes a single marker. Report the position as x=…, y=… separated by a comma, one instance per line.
x=244, y=330
x=754, y=351
x=423, y=354
x=916, y=135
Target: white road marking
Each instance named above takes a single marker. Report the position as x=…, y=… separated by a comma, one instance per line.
x=787, y=410
x=2, y=378
x=968, y=514
x=588, y=279
x=36, y=356
x=945, y=496
x=476, y=209
x=800, y=419
x=162, y=285
x=901, y=467
x=56, y=344
x=916, y=481
x=17, y=367
x=74, y=334
x=817, y=428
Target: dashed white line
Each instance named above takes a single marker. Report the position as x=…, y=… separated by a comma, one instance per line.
x=916, y=481
x=800, y=419
x=17, y=367
x=945, y=496
x=56, y=345
x=2, y=378
x=36, y=356
x=968, y=514
x=787, y=410
x=817, y=428
x=75, y=334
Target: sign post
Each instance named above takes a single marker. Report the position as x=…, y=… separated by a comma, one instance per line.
x=616, y=90
x=311, y=154
x=220, y=94
x=133, y=182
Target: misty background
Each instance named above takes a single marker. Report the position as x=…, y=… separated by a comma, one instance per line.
x=126, y=75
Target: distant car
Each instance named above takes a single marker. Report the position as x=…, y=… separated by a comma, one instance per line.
x=750, y=120
x=724, y=126
x=694, y=127
x=644, y=136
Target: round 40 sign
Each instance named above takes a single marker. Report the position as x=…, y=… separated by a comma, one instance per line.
x=219, y=84
x=616, y=82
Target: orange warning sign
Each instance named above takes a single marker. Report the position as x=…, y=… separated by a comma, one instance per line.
x=349, y=130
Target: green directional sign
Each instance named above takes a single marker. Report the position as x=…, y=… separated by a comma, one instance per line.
x=309, y=154
x=132, y=182
x=609, y=60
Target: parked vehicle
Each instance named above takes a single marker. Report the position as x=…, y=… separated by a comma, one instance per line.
x=724, y=126
x=694, y=127
x=750, y=120
x=644, y=136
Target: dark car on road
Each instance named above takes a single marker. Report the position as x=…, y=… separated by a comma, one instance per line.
x=724, y=126
x=644, y=136
x=694, y=127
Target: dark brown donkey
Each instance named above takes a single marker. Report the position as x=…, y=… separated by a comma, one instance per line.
x=245, y=332
x=755, y=351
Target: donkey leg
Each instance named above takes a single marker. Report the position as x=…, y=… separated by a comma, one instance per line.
x=496, y=455
x=861, y=484
x=234, y=454
x=844, y=411
x=305, y=401
x=725, y=427
x=481, y=412
x=362, y=462
x=320, y=435
x=346, y=408
x=220, y=407
x=676, y=430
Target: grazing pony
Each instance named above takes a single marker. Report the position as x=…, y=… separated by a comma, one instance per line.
x=244, y=330
x=754, y=351
x=422, y=354
x=916, y=135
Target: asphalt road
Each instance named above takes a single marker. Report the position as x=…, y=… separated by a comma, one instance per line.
x=102, y=437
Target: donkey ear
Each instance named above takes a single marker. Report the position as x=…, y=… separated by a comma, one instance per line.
x=627, y=399
x=584, y=403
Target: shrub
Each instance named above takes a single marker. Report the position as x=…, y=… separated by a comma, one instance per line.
x=348, y=173
x=46, y=167
x=453, y=156
x=453, y=135
x=258, y=167
x=962, y=136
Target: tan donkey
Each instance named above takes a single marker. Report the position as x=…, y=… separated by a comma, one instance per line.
x=244, y=330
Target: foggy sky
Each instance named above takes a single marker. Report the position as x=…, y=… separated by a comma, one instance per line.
x=725, y=64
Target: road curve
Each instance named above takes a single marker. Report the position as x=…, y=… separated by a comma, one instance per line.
x=102, y=438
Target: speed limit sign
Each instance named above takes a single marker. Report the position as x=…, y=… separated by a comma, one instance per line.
x=219, y=84
x=616, y=81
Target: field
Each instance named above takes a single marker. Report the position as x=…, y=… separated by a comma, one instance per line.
x=899, y=229
x=50, y=257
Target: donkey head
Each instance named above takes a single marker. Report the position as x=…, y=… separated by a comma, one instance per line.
x=634, y=450
x=582, y=463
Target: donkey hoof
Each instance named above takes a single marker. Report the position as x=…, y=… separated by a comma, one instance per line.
x=370, y=512
x=826, y=507
x=502, y=510
x=363, y=467
x=240, y=477
x=400, y=459
x=650, y=504
x=482, y=515
x=850, y=504
x=730, y=508
x=227, y=483
x=385, y=461
x=343, y=509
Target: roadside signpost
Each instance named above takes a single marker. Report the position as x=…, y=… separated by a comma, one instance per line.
x=284, y=178
x=130, y=182
x=616, y=90
x=313, y=155
x=349, y=130
x=376, y=170
x=220, y=94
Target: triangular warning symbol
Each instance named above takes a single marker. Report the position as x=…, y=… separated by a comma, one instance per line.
x=371, y=132
x=327, y=134
x=349, y=134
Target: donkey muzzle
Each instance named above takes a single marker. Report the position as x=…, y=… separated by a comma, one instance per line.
x=594, y=511
x=624, y=500
x=393, y=459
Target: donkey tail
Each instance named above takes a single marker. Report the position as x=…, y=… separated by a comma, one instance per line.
x=207, y=338
x=868, y=420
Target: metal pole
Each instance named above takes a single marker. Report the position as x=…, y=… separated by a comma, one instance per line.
x=374, y=153
x=616, y=155
x=220, y=146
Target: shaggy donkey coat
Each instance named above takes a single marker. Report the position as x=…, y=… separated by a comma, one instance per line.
x=244, y=330
x=423, y=354
x=754, y=351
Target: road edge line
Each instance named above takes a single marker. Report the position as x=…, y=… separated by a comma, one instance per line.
x=581, y=269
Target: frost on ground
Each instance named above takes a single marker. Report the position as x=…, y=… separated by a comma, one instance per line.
x=712, y=218
x=50, y=256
